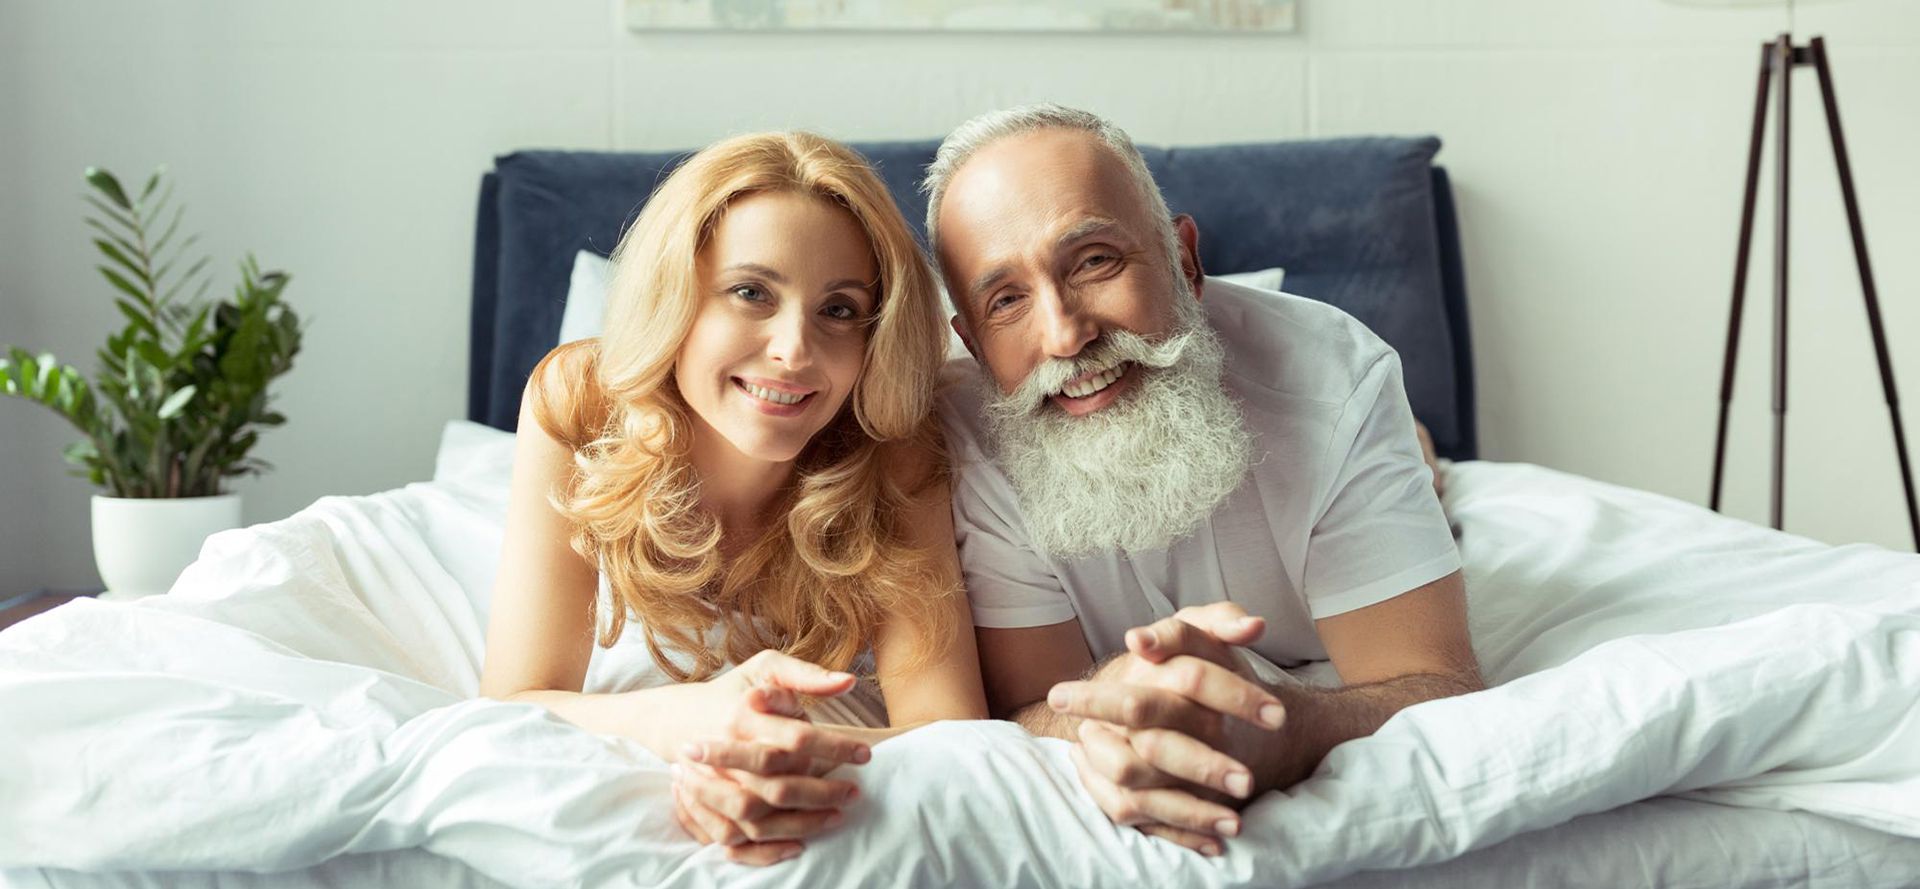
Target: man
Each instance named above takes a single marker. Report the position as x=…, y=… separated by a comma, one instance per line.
x=1154, y=470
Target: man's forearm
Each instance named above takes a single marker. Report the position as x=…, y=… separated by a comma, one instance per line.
x=1042, y=721
x=1320, y=719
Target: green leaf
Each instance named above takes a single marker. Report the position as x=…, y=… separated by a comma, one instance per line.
x=104, y=182
x=153, y=181
x=47, y=364
x=126, y=222
x=160, y=243
x=114, y=254
x=175, y=402
x=118, y=241
x=125, y=285
x=80, y=452
x=136, y=318
x=184, y=278
x=151, y=212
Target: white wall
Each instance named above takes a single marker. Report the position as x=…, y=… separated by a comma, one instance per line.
x=1596, y=149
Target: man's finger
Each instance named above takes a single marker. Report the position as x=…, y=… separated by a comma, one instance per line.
x=1134, y=707
x=1222, y=619
x=1182, y=758
x=747, y=756
x=803, y=738
x=1215, y=688
x=1109, y=754
x=1198, y=842
x=1163, y=805
x=773, y=668
x=1219, y=624
x=1171, y=637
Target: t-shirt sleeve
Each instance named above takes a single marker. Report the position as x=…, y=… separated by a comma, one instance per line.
x=1381, y=532
x=1009, y=585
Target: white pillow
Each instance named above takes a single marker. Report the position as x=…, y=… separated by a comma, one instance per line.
x=586, y=307
x=1265, y=279
x=473, y=453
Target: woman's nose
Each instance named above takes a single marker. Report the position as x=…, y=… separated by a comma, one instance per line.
x=787, y=341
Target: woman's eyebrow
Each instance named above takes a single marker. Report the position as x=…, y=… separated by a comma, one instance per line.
x=852, y=284
x=758, y=269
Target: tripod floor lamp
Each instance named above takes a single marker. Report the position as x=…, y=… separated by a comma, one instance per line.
x=1778, y=59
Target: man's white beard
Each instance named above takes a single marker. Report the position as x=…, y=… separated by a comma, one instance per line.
x=1140, y=473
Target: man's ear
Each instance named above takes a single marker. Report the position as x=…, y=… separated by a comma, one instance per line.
x=1188, y=233
x=960, y=330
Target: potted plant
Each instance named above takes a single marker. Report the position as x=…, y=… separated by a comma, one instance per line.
x=180, y=395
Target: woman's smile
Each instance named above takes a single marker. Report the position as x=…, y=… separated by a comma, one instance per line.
x=774, y=397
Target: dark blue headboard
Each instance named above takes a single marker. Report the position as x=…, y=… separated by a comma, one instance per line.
x=1365, y=224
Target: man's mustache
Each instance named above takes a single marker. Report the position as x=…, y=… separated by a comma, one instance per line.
x=1112, y=348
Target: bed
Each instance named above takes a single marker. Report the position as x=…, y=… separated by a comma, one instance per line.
x=1679, y=698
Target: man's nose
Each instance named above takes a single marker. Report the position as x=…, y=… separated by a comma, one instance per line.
x=1065, y=326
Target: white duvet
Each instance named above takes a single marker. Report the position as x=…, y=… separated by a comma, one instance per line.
x=307, y=691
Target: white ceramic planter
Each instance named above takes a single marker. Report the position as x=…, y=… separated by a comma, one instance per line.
x=141, y=545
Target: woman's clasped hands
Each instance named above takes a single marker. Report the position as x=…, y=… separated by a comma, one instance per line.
x=751, y=768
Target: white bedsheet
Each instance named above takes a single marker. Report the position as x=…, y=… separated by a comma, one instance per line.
x=306, y=692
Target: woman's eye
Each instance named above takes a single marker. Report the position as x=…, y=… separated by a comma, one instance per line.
x=749, y=293
x=841, y=312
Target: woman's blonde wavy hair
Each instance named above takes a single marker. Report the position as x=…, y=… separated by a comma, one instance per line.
x=819, y=585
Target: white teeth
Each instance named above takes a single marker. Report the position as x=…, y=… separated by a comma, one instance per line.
x=765, y=394
x=1095, y=383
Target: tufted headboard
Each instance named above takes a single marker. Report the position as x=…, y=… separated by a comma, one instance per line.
x=1365, y=224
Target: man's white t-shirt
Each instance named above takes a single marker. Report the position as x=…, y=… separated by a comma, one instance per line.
x=1337, y=513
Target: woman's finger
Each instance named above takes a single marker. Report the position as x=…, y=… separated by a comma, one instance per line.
x=791, y=825
x=776, y=701
x=763, y=854
x=707, y=824
x=687, y=823
x=747, y=756
x=704, y=787
x=796, y=736
x=797, y=792
x=774, y=668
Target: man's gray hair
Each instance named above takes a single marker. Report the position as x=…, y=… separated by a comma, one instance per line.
x=967, y=139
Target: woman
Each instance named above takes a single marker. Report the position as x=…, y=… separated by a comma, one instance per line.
x=746, y=459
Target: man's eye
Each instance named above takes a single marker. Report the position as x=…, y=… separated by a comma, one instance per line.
x=1098, y=260
x=1002, y=301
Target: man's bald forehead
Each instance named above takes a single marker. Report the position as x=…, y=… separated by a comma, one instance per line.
x=1048, y=164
